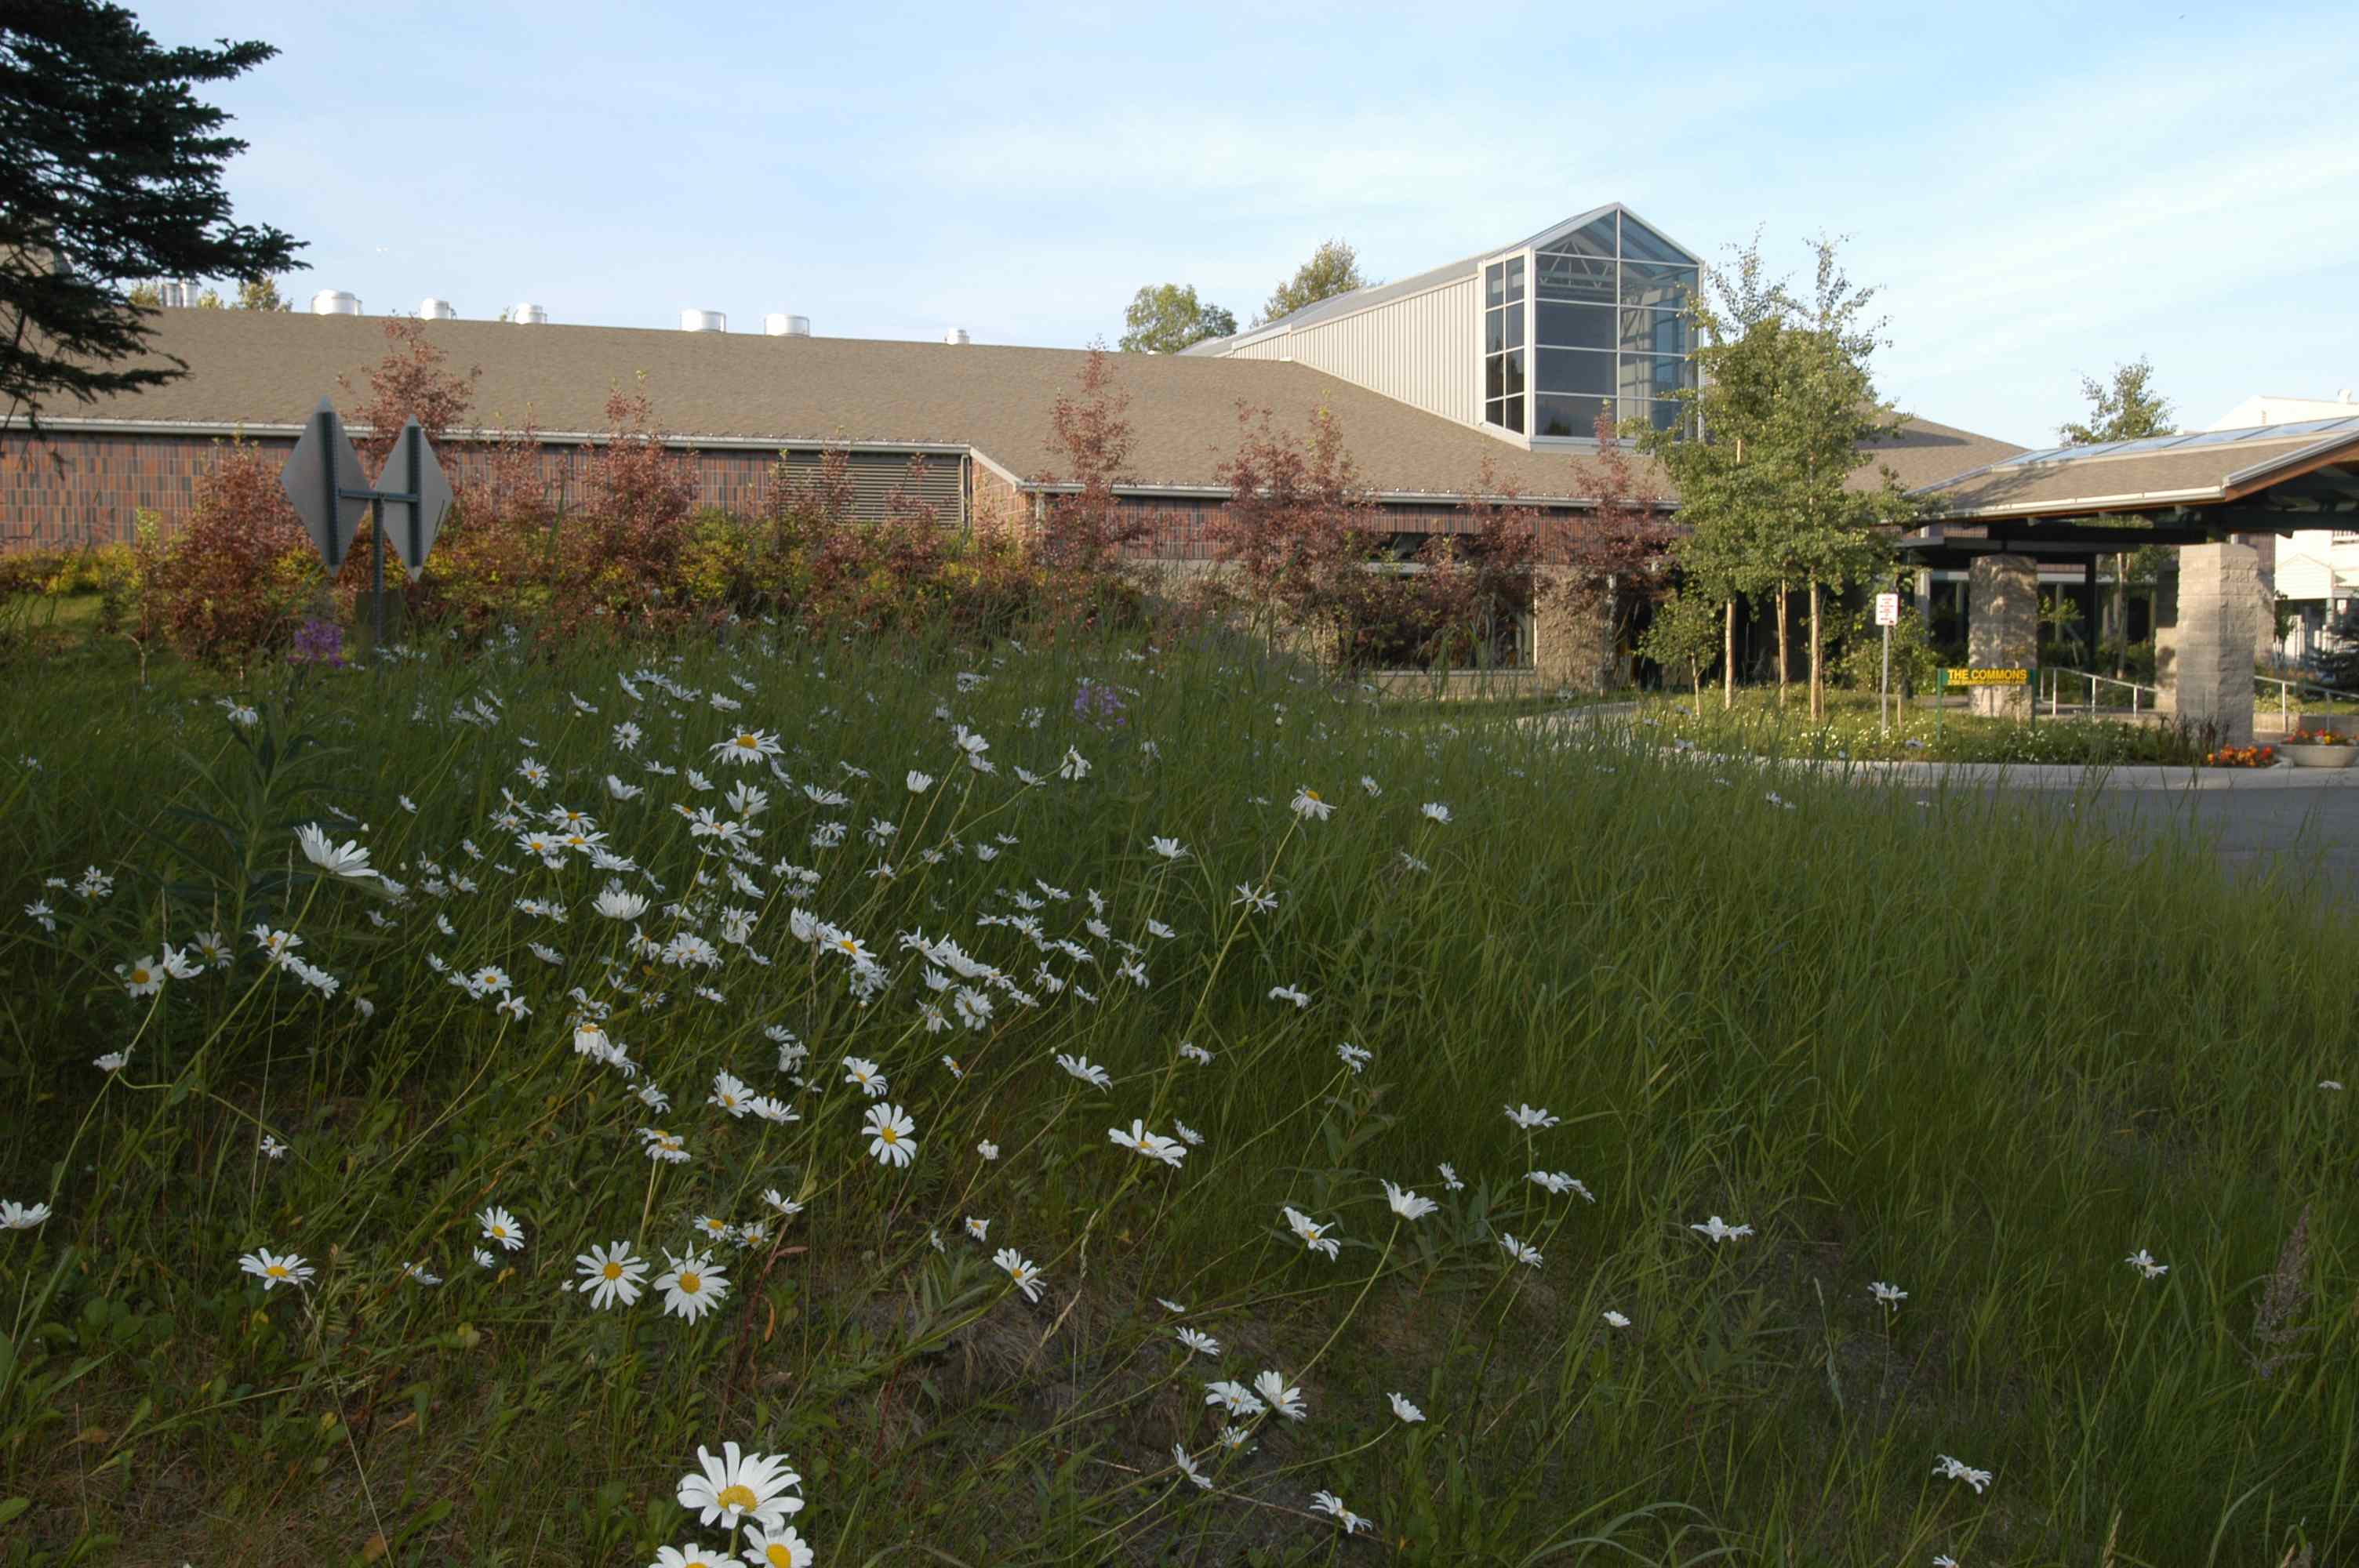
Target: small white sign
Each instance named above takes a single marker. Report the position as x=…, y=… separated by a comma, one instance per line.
x=1888, y=610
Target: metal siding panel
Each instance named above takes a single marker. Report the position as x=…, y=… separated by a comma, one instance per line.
x=1424, y=351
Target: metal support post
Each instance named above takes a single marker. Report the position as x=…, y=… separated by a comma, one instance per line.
x=1884, y=698
x=327, y=423
x=377, y=581
x=416, y=440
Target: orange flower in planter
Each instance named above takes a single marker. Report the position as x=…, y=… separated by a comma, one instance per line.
x=2242, y=757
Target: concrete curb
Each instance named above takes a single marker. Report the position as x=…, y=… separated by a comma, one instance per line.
x=2051, y=775
x=2003, y=775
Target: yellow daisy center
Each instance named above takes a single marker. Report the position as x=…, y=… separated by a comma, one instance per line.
x=500, y=1232
x=276, y=1271
x=748, y=742
x=739, y=1495
x=888, y=1134
x=613, y=1271
x=1312, y=794
x=778, y=1556
x=690, y=1285
x=139, y=976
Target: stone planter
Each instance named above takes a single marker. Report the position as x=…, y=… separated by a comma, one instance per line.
x=2320, y=756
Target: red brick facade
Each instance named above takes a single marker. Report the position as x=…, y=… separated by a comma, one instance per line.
x=73, y=489
x=78, y=488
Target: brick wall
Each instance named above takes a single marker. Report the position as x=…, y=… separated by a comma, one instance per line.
x=77, y=488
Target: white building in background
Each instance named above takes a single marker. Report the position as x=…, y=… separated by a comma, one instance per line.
x=2317, y=571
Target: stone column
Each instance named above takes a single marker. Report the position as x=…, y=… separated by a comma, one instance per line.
x=2265, y=594
x=1568, y=638
x=2204, y=638
x=2002, y=629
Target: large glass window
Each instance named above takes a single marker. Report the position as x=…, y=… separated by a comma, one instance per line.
x=1575, y=326
x=1503, y=343
x=1575, y=370
x=1608, y=333
x=1585, y=280
x=1569, y=415
x=1657, y=287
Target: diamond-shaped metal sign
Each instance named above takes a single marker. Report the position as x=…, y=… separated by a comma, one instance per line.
x=324, y=463
x=412, y=527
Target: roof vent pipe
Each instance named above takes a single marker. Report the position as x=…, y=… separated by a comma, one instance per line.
x=335, y=302
x=778, y=324
x=530, y=315
x=433, y=309
x=955, y=335
x=703, y=321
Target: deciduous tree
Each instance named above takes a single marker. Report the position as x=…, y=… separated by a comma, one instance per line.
x=1334, y=268
x=1086, y=530
x=1301, y=527
x=1789, y=416
x=261, y=294
x=110, y=171
x=1166, y=318
x=1609, y=562
x=2124, y=408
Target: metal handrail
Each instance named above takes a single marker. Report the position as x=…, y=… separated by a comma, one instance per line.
x=2092, y=679
x=2285, y=713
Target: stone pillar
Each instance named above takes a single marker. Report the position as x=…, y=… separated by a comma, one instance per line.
x=1570, y=651
x=2002, y=629
x=2265, y=595
x=2204, y=636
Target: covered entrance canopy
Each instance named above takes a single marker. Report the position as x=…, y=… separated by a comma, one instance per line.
x=2200, y=493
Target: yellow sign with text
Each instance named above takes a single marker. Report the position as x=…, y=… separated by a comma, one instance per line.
x=1987, y=678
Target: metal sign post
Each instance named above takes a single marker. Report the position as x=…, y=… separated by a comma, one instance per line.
x=323, y=479
x=1888, y=612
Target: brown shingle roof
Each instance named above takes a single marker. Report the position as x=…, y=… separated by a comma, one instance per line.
x=2193, y=469
x=271, y=369
x=1926, y=453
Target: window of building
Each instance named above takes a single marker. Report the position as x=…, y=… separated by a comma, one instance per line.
x=1608, y=332
x=1503, y=343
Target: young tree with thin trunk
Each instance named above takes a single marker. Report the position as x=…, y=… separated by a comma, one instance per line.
x=2126, y=408
x=412, y=381
x=1609, y=562
x=1723, y=488
x=1789, y=416
x=1301, y=527
x=1086, y=530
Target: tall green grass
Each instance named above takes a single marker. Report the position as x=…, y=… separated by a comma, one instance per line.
x=1979, y=1054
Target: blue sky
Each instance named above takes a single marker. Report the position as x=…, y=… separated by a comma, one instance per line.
x=2040, y=191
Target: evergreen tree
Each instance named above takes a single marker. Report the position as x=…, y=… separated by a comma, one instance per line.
x=110, y=171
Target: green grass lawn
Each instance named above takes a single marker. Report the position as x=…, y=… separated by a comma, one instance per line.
x=1981, y=1059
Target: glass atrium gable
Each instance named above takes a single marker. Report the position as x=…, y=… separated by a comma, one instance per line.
x=1587, y=320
